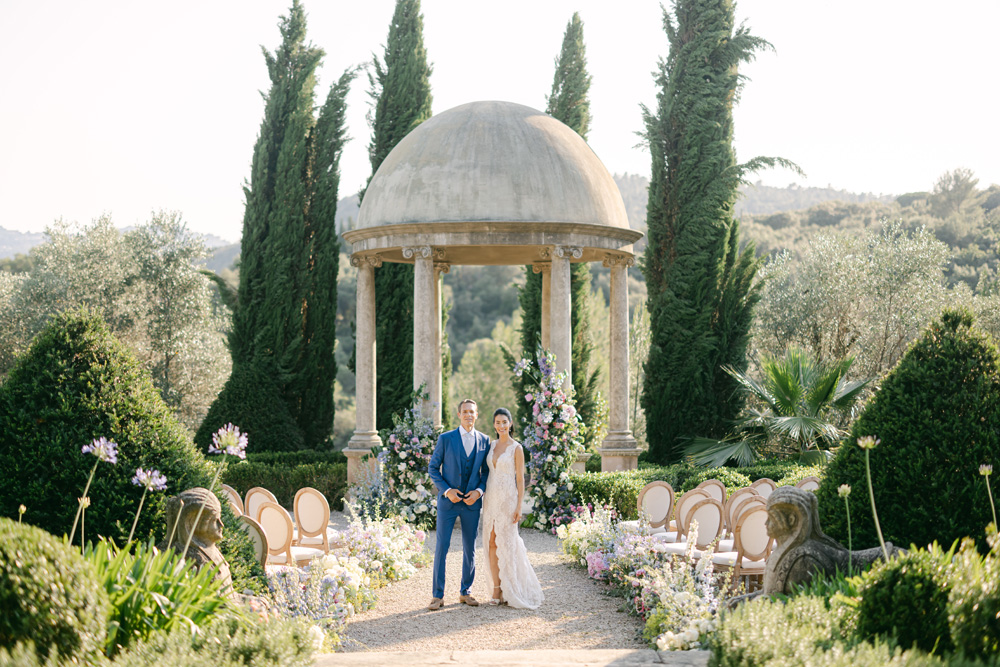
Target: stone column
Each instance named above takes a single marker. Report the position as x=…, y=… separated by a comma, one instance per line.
x=544, y=268
x=440, y=267
x=560, y=310
x=365, y=436
x=619, y=450
x=425, y=329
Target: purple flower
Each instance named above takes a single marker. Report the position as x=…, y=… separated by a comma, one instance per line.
x=104, y=449
x=151, y=479
x=229, y=440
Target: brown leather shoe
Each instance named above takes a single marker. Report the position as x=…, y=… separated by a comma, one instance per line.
x=436, y=603
x=469, y=600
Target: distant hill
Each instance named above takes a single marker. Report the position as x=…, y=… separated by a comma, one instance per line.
x=17, y=243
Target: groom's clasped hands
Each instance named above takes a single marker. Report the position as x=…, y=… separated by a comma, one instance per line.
x=454, y=495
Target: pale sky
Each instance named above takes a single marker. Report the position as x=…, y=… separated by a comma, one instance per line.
x=129, y=107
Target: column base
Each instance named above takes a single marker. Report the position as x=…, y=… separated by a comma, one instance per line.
x=580, y=465
x=619, y=452
x=358, y=447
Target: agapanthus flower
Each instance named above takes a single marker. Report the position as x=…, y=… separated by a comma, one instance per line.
x=104, y=449
x=868, y=442
x=229, y=440
x=844, y=490
x=151, y=479
x=985, y=470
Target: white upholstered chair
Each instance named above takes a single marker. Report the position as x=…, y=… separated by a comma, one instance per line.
x=278, y=528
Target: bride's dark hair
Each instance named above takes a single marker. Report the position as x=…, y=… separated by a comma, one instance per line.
x=506, y=413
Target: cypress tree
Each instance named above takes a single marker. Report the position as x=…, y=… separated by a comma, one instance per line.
x=318, y=367
x=700, y=284
x=568, y=102
x=401, y=91
x=283, y=321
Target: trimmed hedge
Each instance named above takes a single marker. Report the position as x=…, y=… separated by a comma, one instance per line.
x=621, y=489
x=300, y=457
x=284, y=481
x=76, y=383
x=49, y=594
x=936, y=414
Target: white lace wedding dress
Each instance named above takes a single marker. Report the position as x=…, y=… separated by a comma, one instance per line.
x=517, y=579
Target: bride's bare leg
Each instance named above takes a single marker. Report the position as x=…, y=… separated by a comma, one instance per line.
x=494, y=564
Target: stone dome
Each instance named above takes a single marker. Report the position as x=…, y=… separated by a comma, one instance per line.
x=492, y=162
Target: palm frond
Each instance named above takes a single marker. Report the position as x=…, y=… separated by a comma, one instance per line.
x=711, y=453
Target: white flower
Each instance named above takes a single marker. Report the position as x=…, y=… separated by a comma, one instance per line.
x=402, y=467
x=402, y=454
x=550, y=490
x=421, y=508
x=548, y=459
x=561, y=532
x=690, y=635
x=570, y=486
x=317, y=636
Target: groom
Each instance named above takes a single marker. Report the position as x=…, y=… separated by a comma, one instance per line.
x=458, y=469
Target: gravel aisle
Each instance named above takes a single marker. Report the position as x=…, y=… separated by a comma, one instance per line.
x=577, y=612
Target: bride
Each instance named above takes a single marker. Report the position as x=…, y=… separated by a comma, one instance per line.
x=514, y=582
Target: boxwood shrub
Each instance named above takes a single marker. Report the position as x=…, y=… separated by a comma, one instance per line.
x=936, y=414
x=49, y=595
x=284, y=480
x=77, y=383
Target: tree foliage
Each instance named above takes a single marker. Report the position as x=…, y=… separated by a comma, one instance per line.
x=936, y=414
x=401, y=94
x=284, y=321
x=145, y=284
x=699, y=280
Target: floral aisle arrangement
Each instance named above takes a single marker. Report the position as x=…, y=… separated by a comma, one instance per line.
x=388, y=548
x=679, y=602
x=403, y=459
x=552, y=438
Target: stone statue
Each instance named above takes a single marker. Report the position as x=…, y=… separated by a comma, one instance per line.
x=802, y=549
x=204, y=534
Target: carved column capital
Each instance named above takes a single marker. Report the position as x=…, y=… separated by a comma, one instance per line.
x=541, y=267
x=568, y=251
x=545, y=252
x=439, y=255
x=423, y=251
x=373, y=261
x=442, y=267
x=618, y=260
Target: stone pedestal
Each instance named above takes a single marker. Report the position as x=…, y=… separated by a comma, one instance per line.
x=580, y=465
x=544, y=268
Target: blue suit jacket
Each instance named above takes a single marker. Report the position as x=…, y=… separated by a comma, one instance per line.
x=447, y=461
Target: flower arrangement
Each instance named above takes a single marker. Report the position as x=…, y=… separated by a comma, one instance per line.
x=403, y=459
x=310, y=593
x=389, y=549
x=552, y=438
x=678, y=601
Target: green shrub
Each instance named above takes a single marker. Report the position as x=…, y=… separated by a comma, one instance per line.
x=251, y=399
x=49, y=594
x=77, y=383
x=906, y=599
x=300, y=457
x=152, y=591
x=803, y=632
x=936, y=414
x=228, y=643
x=284, y=481
x=974, y=603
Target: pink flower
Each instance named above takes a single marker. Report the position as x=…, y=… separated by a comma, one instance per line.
x=529, y=397
x=548, y=393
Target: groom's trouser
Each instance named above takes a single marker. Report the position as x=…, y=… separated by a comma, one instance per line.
x=447, y=513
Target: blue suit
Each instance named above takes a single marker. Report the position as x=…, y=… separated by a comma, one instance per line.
x=451, y=468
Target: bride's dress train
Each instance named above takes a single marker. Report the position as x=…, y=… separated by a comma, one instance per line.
x=517, y=578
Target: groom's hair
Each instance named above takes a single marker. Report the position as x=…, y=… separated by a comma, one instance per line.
x=468, y=400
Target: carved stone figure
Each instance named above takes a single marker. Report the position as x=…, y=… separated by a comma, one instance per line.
x=205, y=531
x=802, y=549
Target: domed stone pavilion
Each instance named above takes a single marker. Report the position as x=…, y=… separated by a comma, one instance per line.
x=491, y=183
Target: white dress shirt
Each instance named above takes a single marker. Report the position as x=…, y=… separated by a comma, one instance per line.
x=468, y=440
